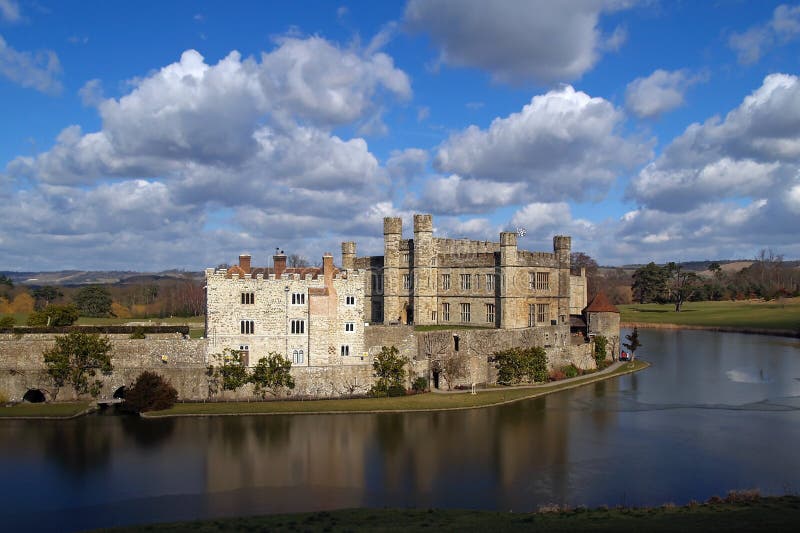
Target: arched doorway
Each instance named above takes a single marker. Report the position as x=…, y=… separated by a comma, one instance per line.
x=33, y=396
x=119, y=394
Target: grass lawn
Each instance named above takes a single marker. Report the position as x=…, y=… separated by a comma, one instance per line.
x=763, y=514
x=55, y=410
x=783, y=315
x=427, y=401
x=438, y=327
x=22, y=319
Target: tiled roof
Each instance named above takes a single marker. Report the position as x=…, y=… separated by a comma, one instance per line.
x=600, y=304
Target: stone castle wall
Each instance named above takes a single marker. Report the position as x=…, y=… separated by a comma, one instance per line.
x=22, y=365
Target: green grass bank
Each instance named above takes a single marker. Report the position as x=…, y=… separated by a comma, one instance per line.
x=417, y=402
x=774, y=514
x=755, y=316
x=45, y=410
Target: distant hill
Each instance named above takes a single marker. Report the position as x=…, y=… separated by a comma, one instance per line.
x=90, y=277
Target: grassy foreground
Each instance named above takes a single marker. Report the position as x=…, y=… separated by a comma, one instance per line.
x=760, y=514
x=418, y=402
x=751, y=314
x=44, y=410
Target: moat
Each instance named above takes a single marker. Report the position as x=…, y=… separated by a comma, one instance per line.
x=715, y=412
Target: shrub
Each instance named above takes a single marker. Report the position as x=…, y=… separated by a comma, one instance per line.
x=556, y=375
x=272, y=374
x=571, y=371
x=420, y=384
x=3, y=397
x=521, y=364
x=7, y=322
x=600, y=344
x=389, y=368
x=138, y=333
x=54, y=316
x=150, y=392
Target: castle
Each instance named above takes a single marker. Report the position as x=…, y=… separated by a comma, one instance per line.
x=323, y=317
x=330, y=322
x=433, y=281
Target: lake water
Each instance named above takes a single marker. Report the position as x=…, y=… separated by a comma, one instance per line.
x=714, y=412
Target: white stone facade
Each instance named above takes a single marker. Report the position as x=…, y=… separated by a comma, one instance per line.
x=314, y=319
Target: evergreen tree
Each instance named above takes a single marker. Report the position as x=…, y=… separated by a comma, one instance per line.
x=633, y=343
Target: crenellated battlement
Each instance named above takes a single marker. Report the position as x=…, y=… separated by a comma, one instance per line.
x=460, y=246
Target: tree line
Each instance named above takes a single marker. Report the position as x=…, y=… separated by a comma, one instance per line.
x=51, y=305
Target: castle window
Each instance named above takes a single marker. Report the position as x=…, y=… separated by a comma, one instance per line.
x=490, y=313
x=490, y=282
x=445, y=282
x=405, y=257
x=248, y=298
x=542, y=313
x=377, y=283
x=446, y=312
x=465, y=313
x=350, y=300
x=345, y=350
x=298, y=298
x=406, y=281
x=298, y=357
x=433, y=316
x=244, y=355
x=466, y=282
x=349, y=326
x=298, y=327
x=377, y=312
x=247, y=327
x=543, y=281
x=531, y=315
x=531, y=280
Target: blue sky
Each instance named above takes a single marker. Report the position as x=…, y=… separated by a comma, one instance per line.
x=162, y=135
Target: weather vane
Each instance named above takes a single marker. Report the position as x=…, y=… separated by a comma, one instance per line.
x=521, y=231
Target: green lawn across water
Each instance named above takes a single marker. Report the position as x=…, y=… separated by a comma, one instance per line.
x=45, y=410
x=749, y=314
x=428, y=401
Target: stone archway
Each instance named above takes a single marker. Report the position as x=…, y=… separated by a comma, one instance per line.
x=119, y=394
x=34, y=396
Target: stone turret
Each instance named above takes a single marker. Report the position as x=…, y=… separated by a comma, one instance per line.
x=562, y=246
x=348, y=255
x=509, y=284
x=392, y=234
x=424, y=270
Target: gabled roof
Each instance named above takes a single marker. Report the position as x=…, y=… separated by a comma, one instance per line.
x=600, y=304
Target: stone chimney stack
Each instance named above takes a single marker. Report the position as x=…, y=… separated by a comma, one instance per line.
x=244, y=263
x=327, y=269
x=279, y=260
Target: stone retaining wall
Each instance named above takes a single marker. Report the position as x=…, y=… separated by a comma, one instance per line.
x=183, y=361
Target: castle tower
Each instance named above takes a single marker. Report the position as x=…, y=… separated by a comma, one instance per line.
x=392, y=234
x=509, y=284
x=348, y=255
x=424, y=270
x=562, y=246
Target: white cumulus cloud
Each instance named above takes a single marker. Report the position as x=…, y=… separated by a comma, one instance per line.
x=658, y=93
x=541, y=40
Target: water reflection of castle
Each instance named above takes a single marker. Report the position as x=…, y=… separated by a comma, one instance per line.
x=514, y=452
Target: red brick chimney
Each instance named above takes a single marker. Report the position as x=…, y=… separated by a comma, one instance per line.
x=327, y=269
x=280, y=264
x=244, y=263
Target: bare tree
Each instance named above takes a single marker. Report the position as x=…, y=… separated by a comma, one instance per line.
x=451, y=366
x=296, y=261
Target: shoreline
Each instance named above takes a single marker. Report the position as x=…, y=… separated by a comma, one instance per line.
x=552, y=387
x=721, y=329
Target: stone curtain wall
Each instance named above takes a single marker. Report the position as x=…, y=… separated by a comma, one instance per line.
x=22, y=364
